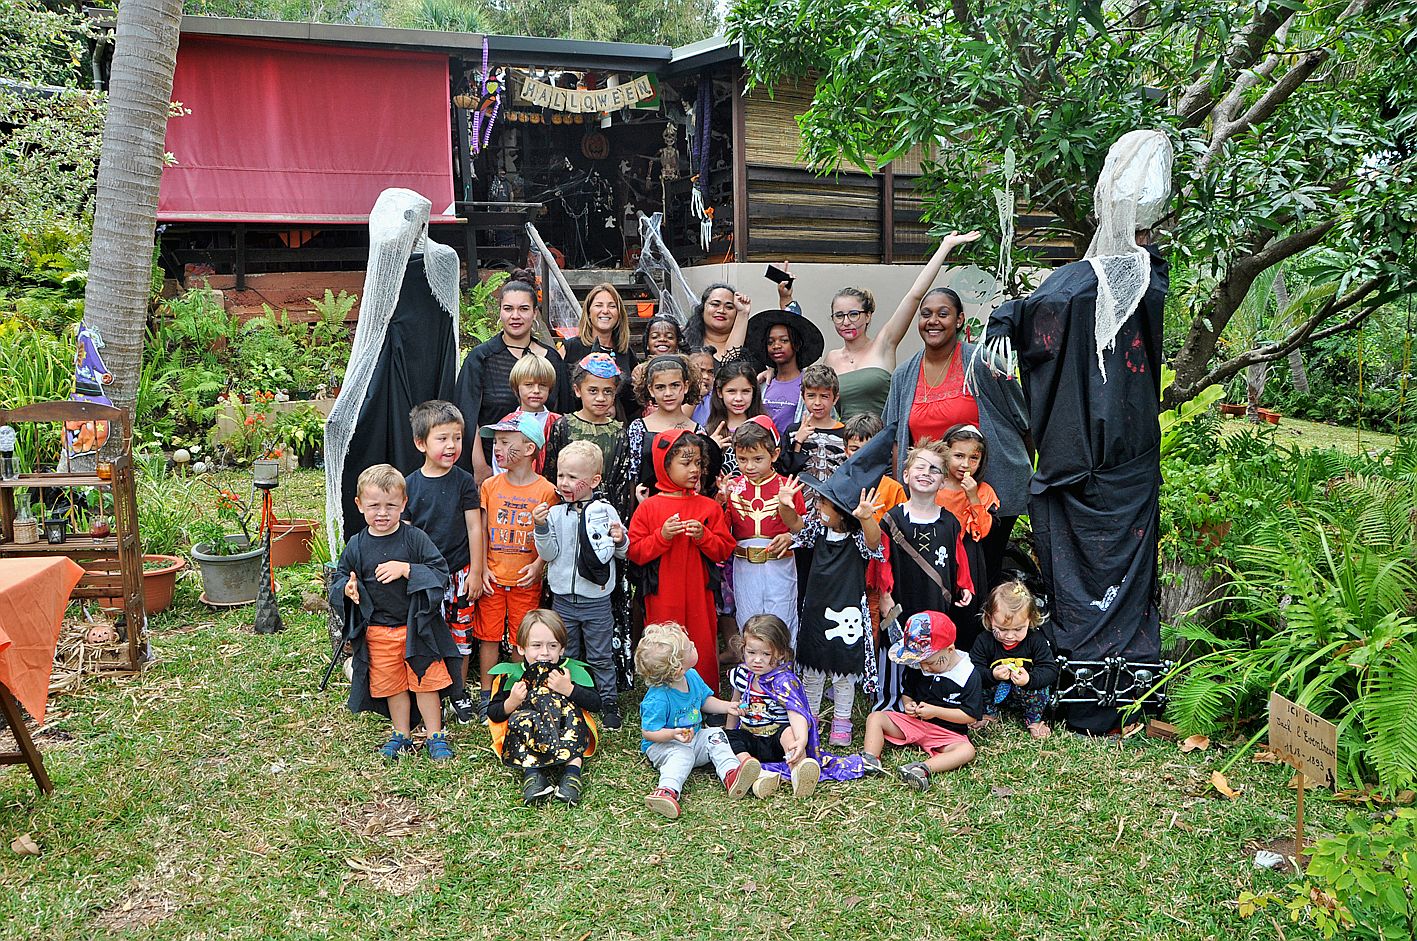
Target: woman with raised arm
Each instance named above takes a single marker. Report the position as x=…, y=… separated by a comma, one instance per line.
x=864, y=364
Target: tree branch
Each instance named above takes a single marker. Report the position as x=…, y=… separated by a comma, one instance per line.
x=1197, y=100
x=1279, y=249
x=1301, y=334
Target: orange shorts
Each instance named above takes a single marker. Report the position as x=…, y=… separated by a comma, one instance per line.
x=389, y=672
x=500, y=613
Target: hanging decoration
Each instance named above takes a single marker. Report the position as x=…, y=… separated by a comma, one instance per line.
x=580, y=101
x=699, y=144
x=489, y=104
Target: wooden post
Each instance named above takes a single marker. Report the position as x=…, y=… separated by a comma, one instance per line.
x=888, y=214
x=1299, y=819
x=239, y=266
x=740, y=167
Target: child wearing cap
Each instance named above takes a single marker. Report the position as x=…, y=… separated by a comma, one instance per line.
x=943, y=696
x=511, y=584
x=597, y=380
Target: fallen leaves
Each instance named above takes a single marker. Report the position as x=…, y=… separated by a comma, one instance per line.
x=1195, y=743
x=1222, y=784
x=24, y=845
x=385, y=817
x=1267, y=756
x=396, y=875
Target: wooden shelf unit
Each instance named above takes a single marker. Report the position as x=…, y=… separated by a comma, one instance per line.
x=113, y=565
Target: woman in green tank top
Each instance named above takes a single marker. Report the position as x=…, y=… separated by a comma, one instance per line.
x=864, y=364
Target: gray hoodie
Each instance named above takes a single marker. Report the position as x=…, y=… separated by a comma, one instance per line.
x=557, y=542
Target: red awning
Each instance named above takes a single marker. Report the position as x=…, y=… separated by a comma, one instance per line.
x=302, y=132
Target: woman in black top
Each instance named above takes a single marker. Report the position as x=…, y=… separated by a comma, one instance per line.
x=484, y=392
x=605, y=328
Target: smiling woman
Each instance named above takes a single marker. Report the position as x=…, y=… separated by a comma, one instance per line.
x=484, y=390
x=605, y=328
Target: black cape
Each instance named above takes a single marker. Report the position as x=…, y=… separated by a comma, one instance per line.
x=1094, y=497
x=419, y=362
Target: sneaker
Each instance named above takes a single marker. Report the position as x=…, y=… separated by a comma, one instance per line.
x=916, y=775
x=741, y=778
x=464, y=712
x=397, y=747
x=568, y=791
x=536, y=787
x=805, y=777
x=439, y=748
x=841, y=732
x=611, y=720
x=664, y=801
x=766, y=785
x=870, y=764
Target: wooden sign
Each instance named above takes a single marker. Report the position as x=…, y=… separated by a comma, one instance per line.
x=578, y=101
x=1304, y=739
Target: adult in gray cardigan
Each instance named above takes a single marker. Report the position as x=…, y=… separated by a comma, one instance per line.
x=928, y=397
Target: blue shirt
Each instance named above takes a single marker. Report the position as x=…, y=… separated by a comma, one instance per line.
x=665, y=707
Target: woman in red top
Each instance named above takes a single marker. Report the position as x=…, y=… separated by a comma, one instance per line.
x=929, y=396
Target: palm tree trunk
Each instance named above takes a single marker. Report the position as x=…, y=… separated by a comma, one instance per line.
x=129, y=171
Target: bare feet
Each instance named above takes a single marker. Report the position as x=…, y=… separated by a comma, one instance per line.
x=1039, y=729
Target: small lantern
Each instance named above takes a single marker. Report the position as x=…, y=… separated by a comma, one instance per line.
x=56, y=530
x=267, y=473
x=7, y=453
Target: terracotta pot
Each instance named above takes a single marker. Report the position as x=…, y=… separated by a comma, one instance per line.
x=290, y=541
x=1233, y=410
x=158, y=584
x=1270, y=416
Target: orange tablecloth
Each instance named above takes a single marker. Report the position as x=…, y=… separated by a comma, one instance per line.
x=33, y=594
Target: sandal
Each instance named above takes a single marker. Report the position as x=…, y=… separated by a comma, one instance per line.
x=397, y=747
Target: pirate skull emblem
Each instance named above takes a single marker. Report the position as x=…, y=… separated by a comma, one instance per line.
x=848, y=625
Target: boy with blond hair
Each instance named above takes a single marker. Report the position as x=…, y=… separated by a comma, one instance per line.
x=394, y=579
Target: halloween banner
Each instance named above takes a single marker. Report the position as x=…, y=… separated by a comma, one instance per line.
x=542, y=95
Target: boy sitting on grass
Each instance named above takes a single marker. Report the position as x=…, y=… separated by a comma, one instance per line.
x=395, y=578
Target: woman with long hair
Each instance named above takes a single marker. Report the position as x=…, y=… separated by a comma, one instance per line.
x=605, y=328
x=484, y=391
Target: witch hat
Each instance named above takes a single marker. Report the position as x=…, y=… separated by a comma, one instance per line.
x=862, y=471
x=807, y=340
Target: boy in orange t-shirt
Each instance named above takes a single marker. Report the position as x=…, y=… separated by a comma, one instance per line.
x=511, y=583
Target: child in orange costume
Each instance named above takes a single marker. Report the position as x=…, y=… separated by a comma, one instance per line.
x=681, y=530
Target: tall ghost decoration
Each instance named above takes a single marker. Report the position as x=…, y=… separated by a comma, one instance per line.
x=1088, y=348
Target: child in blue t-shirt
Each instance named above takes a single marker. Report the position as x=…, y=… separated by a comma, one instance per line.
x=672, y=720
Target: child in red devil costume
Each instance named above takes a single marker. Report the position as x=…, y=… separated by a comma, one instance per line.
x=681, y=531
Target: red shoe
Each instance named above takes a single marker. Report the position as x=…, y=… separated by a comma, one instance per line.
x=663, y=801
x=740, y=779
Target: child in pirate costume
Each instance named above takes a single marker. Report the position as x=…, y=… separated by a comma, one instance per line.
x=834, y=641
x=929, y=567
x=764, y=510
x=540, y=711
x=942, y=699
x=390, y=581
x=680, y=532
x=579, y=539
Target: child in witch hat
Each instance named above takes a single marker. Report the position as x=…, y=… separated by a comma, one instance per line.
x=943, y=696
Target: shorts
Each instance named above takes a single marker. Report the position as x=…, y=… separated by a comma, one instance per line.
x=922, y=732
x=765, y=748
x=389, y=672
x=458, y=610
x=500, y=613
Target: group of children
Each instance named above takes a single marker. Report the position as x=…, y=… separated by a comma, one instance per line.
x=827, y=573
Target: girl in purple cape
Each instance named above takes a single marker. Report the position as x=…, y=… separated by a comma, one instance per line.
x=776, y=726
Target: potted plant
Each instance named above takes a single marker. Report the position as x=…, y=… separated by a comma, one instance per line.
x=229, y=565
x=165, y=510
x=303, y=429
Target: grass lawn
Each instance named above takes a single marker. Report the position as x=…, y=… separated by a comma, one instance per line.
x=1314, y=435
x=219, y=795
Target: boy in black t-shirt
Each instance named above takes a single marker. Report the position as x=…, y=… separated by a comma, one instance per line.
x=943, y=696
x=443, y=502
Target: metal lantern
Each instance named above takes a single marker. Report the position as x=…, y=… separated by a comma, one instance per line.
x=56, y=530
x=267, y=473
x=7, y=453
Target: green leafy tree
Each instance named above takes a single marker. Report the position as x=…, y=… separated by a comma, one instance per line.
x=1295, y=126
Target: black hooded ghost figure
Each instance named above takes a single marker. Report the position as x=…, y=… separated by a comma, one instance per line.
x=1094, y=497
